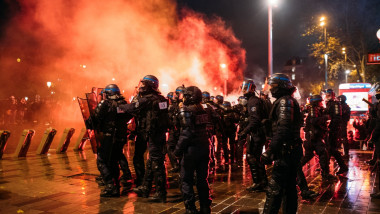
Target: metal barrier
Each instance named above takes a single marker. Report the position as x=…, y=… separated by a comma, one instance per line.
x=24, y=143
x=4, y=135
x=46, y=141
x=65, y=140
x=81, y=141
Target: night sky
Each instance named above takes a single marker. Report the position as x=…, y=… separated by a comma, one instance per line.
x=249, y=20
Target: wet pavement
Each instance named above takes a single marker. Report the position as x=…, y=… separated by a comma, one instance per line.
x=65, y=183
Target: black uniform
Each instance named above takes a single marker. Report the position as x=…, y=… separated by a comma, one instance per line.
x=375, y=138
x=242, y=139
x=112, y=123
x=220, y=136
x=286, y=146
x=174, y=131
x=151, y=111
x=315, y=131
x=255, y=107
x=193, y=144
x=230, y=119
x=346, y=114
x=334, y=111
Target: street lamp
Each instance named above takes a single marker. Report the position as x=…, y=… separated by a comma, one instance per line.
x=322, y=23
x=271, y=3
x=378, y=34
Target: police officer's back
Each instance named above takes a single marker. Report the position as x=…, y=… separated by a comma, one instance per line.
x=285, y=148
x=193, y=147
x=111, y=122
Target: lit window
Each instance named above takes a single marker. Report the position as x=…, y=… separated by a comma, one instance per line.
x=293, y=69
x=293, y=76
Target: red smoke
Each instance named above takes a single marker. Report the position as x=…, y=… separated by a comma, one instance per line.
x=120, y=39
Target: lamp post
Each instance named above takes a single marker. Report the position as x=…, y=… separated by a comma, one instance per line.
x=271, y=3
x=323, y=25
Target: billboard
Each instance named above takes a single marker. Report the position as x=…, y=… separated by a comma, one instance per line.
x=354, y=100
x=373, y=58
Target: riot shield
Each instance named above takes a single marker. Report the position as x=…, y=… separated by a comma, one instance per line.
x=83, y=105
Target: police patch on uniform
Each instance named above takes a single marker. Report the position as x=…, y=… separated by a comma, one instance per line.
x=204, y=105
x=163, y=105
x=119, y=110
x=253, y=109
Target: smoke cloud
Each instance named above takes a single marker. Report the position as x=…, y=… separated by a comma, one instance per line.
x=78, y=44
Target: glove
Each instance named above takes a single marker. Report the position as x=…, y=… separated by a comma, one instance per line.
x=267, y=157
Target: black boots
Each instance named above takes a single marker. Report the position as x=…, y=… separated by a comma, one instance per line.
x=142, y=191
x=308, y=194
x=259, y=187
x=110, y=191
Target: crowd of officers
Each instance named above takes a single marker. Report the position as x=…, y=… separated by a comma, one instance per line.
x=202, y=132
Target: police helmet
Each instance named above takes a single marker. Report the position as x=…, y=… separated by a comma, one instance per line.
x=342, y=98
x=170, y=96
x=315, y=99
x=112, y=89
x=280, y=84
x=151, y=83
x=329, y=92
x=226, y=104
x=219, y=99
x=192, y=95
x=248, y=86
x=180, y=89
x=205, y=97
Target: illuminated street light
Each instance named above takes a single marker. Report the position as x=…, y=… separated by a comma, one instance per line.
x=322, y=21
x=271, y=3
x=378, y=34
x=48, y=84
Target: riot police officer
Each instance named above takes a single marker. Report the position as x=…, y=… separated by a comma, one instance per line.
x=334, y=111
x=285, y=148
x=151, y=112
x=220, y=134
x=193, y=147
x=375, y=138
x=230, y=118
x=315, y=131
x=216, y=122
x=242, y=110
x=112, y=123
x=255, y=145
x=346, y=114
x=173, y=111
